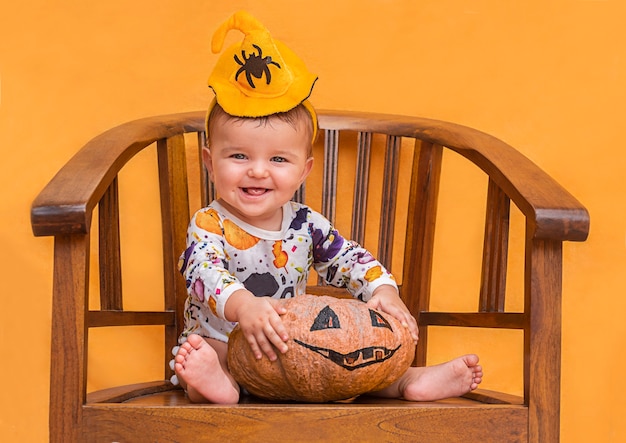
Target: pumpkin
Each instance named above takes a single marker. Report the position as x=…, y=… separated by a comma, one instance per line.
x=338, y=349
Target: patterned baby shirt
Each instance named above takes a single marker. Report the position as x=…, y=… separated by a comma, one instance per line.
x=225, y=254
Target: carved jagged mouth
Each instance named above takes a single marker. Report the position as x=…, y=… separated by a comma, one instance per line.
x=356, y=359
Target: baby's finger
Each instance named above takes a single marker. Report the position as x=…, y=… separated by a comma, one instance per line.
x=254, y=347
x=266, y=347
x=374, y=303
x=278, y=305
x=411, y=323
x=275, y=337
x=407, y=320
x=278, y=328
x=414, y=331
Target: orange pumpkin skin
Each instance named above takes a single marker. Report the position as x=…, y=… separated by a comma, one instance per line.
x=338, y=349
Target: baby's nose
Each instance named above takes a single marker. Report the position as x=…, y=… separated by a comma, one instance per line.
x=258, y=169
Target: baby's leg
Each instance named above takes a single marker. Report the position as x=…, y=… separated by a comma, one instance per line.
x=202, y=370
x=429, y=383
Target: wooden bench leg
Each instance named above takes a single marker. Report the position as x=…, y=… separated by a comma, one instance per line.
x=69, y=337
x=543, y=345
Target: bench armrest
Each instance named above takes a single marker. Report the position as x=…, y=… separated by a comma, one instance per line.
x=551, y=211
x=65, y=205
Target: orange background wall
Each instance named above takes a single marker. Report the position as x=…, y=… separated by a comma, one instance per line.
x=548, y=77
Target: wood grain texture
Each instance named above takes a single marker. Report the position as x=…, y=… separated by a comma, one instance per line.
x=542, y=343
x=110, y=263
x=420, y=236
x=175, y=218
x=382, y=421
x=495, y=251
x=69, y=336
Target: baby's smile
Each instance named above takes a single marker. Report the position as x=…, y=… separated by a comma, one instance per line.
x=255, y=191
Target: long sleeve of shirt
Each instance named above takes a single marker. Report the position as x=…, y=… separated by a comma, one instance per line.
x=344, y=263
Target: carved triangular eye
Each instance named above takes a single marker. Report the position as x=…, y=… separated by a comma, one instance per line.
x=326, y=319
x=378, y=321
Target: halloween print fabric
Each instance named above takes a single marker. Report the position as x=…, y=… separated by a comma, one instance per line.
x=225, y=254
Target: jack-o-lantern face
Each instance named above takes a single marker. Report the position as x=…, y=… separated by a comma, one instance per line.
x=328, y=319
x=338, y=348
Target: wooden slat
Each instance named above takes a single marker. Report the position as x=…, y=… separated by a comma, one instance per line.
x=495, y=251
x=300, y=195
x=329, y=177
x=130, y=318
x=361, y=184
x=109, y=249
x=175, y=219
x=420, y=235
x=207, y=190
x=504, y=320
x=389, y=200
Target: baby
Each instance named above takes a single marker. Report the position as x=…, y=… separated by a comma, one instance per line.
x=253, y=246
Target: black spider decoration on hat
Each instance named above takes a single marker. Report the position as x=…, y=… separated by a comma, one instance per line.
x=255, y=65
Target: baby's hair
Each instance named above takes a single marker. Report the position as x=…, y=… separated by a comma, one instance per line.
x=293, y=117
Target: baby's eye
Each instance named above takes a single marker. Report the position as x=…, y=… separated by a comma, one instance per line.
x=279, y=159
x=238, y=156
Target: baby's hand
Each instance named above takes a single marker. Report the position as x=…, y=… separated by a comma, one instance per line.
x=387, y=299
x=260, y=322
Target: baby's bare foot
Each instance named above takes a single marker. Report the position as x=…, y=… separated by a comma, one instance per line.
x=451, y=379
x=198, y=366
x=429, y=383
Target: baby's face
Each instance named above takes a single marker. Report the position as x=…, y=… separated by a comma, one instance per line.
x=257, y=167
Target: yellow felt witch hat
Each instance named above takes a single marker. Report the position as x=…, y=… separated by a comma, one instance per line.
x=259, y=76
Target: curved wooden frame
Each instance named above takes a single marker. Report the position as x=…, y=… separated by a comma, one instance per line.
x=152, y=410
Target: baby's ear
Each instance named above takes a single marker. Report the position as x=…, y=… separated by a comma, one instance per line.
x=207, y=160
x=308, y=166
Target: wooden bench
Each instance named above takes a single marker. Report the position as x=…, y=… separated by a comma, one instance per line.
x=158, y=411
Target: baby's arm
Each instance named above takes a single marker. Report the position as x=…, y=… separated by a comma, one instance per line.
x=344, y=263
x=259, y=320
x=386, y=299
